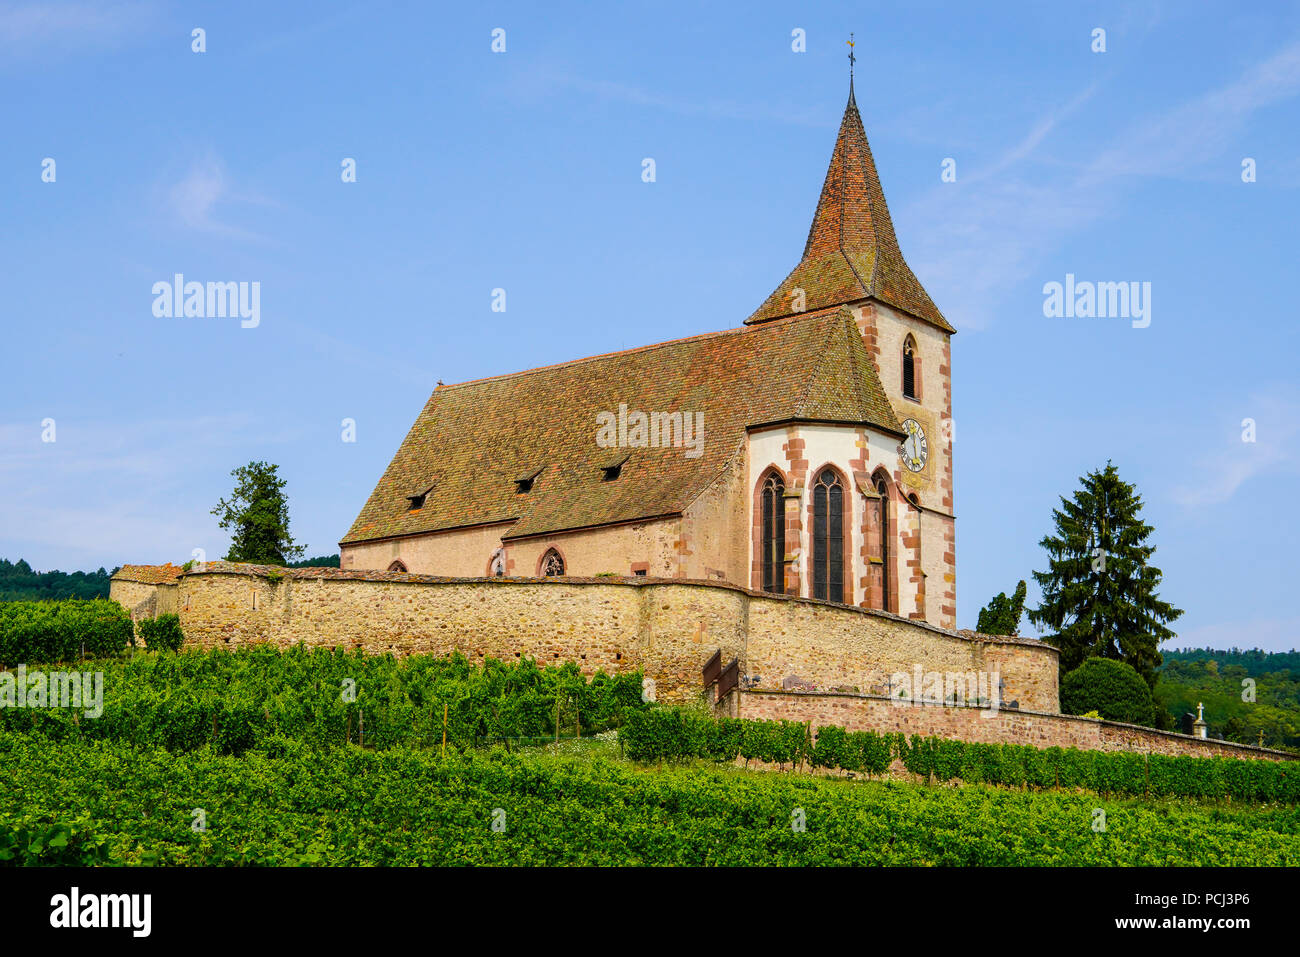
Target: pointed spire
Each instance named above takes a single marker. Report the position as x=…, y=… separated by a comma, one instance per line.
x=851, y=252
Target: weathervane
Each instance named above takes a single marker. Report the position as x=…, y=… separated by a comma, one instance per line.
x=852, y=58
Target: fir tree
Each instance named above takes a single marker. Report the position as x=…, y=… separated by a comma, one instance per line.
x=1099, y=592
x=1001, y=616
x=259, y=514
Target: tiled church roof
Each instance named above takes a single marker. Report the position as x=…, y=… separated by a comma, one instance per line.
x=852, y=252
x=475, y=440
x=149, y=574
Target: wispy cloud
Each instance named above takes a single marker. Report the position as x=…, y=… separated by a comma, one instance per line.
x=550, y=80
x=35, y=29
x=1234, y=462
x=1194, y=135
x=203, y=198
x=104, y=487
x=998, y=221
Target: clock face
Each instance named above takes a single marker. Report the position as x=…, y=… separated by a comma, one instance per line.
x=914, y=451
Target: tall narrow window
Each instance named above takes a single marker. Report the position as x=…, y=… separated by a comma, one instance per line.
x=828, y=537
x=909, y=368
x=883, y=488
x=552, y=563
x=773, y=537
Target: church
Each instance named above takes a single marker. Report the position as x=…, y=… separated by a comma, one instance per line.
x=807, y=451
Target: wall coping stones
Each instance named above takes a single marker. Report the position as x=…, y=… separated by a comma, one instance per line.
x=626, y=581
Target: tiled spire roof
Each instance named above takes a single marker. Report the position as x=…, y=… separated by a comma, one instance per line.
x=852, y=252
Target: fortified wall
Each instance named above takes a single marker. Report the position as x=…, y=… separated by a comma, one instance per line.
x=668, y=628
x=857, y=712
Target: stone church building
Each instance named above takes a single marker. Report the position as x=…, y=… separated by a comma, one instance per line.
x=807, y=451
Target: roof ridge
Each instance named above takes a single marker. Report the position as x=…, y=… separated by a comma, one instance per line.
x=850, y=328
x=801, y=405
x=623, y=352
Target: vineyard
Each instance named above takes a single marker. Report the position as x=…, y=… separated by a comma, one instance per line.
x=307, y=757
x=233, y=702
x=291, y=804
x=673, y=734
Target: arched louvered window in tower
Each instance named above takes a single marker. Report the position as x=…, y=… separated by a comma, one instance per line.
x=828, y=537
x=883, y=488
x=552, y=563
x=772, y=504
x=909, y=368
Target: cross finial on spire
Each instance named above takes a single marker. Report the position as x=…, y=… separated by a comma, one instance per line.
x=852, y=58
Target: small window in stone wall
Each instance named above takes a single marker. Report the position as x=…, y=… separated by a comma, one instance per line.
x=909, y=368
x=397, y=566
x=552, y=563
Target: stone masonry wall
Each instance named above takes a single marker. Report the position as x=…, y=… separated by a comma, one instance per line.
x=868, y=713
x=144, y=599
x=668, y=628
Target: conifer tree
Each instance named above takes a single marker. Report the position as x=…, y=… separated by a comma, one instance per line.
x=259, y=514
x=1099, y=590
x=1001, y=616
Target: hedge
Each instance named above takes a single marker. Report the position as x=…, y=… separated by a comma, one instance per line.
x=671, y=734
x=47, y=632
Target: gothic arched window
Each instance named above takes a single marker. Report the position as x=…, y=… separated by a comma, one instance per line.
x=909, y=368
x=497, y=564
x=883, y=488
x=552, y=563
x=397, y=566
x=828, y=537
x=772, y=508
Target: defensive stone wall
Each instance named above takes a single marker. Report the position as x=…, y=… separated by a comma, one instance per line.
x=875, y=713
x=666, y=627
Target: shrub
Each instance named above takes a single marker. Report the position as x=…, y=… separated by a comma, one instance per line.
x=162, y=633
x=1111, y=688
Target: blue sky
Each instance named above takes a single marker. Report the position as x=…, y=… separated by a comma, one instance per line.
x=522, y=170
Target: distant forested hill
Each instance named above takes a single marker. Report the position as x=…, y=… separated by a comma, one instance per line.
x=1215, y=678
x=19, y=583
